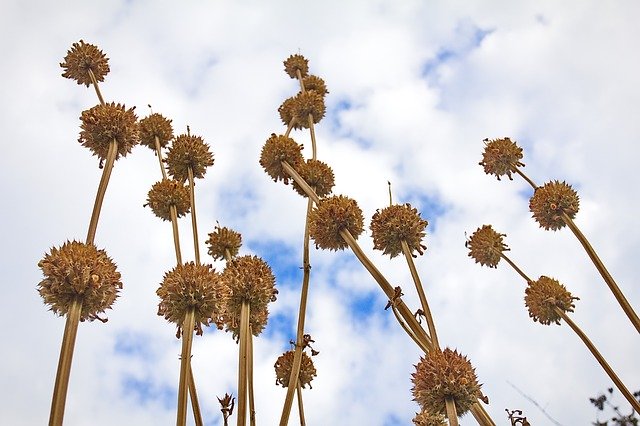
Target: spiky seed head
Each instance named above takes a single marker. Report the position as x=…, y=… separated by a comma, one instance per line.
x=279, y=148
x=79, y=271
x=394, y=224
x=286, y=112
x=486, y=246
x=188, y=151
x=543, y=296
x=318, y=175
x=315, y=83
x=165, y=194
x=501, y=157
x=551, y=200
x=296, y=63
x=441, y=375
x=308, y=103
x=248, y=279
x=424, y=418
x=333, y=215
x=155, y=125
x=284, y=365
x=104, y=123
x=81, y=58
x=190, y=286
x=223, y=239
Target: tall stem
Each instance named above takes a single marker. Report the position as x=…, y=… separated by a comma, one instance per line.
x=407, y=330
x=102, y=189
x=185, y=366
x=300, y=405
x=194, y=225
x=525, y=177
x=159, y=155
x=242, y=364
x=94, y=82
x=193, y=394
x=481, y=415
x=515, y=267
x=176, y=237
x=252, y=405
x=452, y=414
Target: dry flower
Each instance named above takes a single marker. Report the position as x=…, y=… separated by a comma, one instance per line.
x=305, y=104
x=295, y=63
x=257, y=321
x=104, y=123
x=333, y=215
x=284, y=365
x=279, y=148
x=315, y=83
x=79, y=271
x=165, y=194
x=81, y=58
x=424, y=418
x=223, y=239
x=188, y=151
x=551, y=200
x=286, y=112
x=543, y=296
x=155, y=125
x=318, y=175
x=486, y=246
x=394, y=224
x=501, y=157
x=248, y=279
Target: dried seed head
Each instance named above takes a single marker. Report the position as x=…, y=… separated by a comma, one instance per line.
x=305, y=104
x=277, y=149
x=190, y=286
x=81, y=58
x=257, y=321
x=104, y=123
x=394, y=224
x=188, y=151
x=330, y=217
x=286, y=112
x=501, y=157
x=296, y=63
x=155, y=125
x=543, y=296
x=318, y=175
x=165, y=194
x=315, y=83
x=248, y=279
x=424, y=418
x=79, y=271
x=550, y=201
x=442, y=375
x=284, y=365
x=223, y=239
x=486, y=246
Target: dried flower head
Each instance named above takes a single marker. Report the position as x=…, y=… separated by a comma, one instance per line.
x=104, y=123
x=305, y=104
x=223, y=240
x=543, y=296
x=333, y=215
x=286, y=111
x=190, y=286
x=486, y=246
x=318, y=175
x=81, y=58
x=165, y=194
x=315, y=83
x=284, y=365
x=257, y=321
x=279, y=148
x=295, y=63
x=188, y=151
x=394, y=224
x=550, y=201
x=445, y=374
x=155, y=125
x=248, y=279
x=79, y=271
x=501, y=157
x=424, y=418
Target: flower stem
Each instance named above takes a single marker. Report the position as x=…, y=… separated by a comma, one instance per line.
x=94, y=82
x=300, y=405
x=185, y=366
x=252, y=406
x=64, y=364
x=102, y=189
x=525, y=177
x=452, y=414
x=176, y=237
x=159, y=154
x=481, y=415
x=197, y=416
x=407, y=330
x=513, y=265
x=242, y=364
x=194, y=225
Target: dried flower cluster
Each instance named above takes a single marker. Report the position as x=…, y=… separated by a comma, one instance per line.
x=295, y=63
x=155, y=126
x=188, y=152
x=550, y=201
x=103, y=124
x=394, y=224
x=501, y=157
x=315, y=84
x=486, y=246
x=82, y=58
x=424, y=418
x=223, y=240
x=318, y=175
x=543, y=296
x=277, y=149
x=165, y=194
x=305, y=104
x=332, y=216
x=284, y=365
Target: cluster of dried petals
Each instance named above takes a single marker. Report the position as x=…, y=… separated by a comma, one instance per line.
x=81, y=58
x=79, y=271
x=486, y=246
x=103, y=124
x=286, y=113
x=295, y=63
x=332, y=216
x=394, y=224
x=543, y=296
x=188, y=152
x=424, y=418
x=550, y=201
x=167, y=193
x=222, y=241
x=309, y=103
x=279, y=148
x=190, y=287
x=316, y=84
x=248, y=279
x=155, y=126
x=318, y=175
x=445, y=374
x=501, y=157
x=284, y=365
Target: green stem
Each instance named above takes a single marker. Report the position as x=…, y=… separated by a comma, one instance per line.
x=185, y=366
x=102, y=189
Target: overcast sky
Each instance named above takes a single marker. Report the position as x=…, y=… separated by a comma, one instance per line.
x=415, y=86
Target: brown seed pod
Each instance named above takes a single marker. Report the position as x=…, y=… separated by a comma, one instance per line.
x=542, y=296
x=501, y=157
x=81, y=58
x=309, y=102
x=165, y=194
x=424, y=418
x=331, y=216
x=315, y=83
x=393, y=224
x=286, y=112
x=79, y=271
x=188, y=151
x=549, y=202
x=445, y=374
x=223, y=239
x=296, y=63
x=104, y=123
x=318, y=175
x=248, y=279
x=155, y=125
x=284, y=365
x=486, y=246
x=277, y=149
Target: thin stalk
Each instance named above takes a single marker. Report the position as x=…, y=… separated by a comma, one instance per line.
x=102, y=189
x=603, y=363
x=290, y=127
x=608, y=279
x=197, y=416
x=452, y=414
x=159, y=155
x=481, y=415
x=94, y=82
x=185, y=366
x=525, y=177
x=300, y=405
x=513, y=265
x=313, y=137
x=64, y=364
x=242, y=364
x=252, y=405
x=176, y=237
x=194, y=225
x=406, y=330
x=300, y=181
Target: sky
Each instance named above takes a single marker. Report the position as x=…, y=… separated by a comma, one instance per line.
x=415, y=87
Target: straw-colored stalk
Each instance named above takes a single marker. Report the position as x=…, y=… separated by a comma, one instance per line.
x=452, y=413
x=242, y=364
x=95, y=86
x=252, y=404
x=159, y=155
x=194, y=224
x=193, y=394
x=185, y=366
x=102, y=189
x=300, y=405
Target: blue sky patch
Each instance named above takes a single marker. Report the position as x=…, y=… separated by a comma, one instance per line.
x=145, y=390
x=133, y=344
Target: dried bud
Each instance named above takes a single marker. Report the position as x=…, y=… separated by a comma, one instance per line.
x=79, y=271
x=543, y=296
x=167, y=193
x=248, y=279
x=81, y=58
x=305, y=104
x=104, y=123
x=316, y=84
x=394, y=224
x=284, y=365
x=486, y=246
x=330, y=217
x=550, y=201
x=501, y=157
x=277, y=149
x=295, y=63
x=155, y=125
x=318, y=175
x=188, y=151
x=424, y=418
x=222, y=240
x=286, y=112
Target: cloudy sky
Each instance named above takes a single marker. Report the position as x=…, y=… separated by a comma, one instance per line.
x=415, y=86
